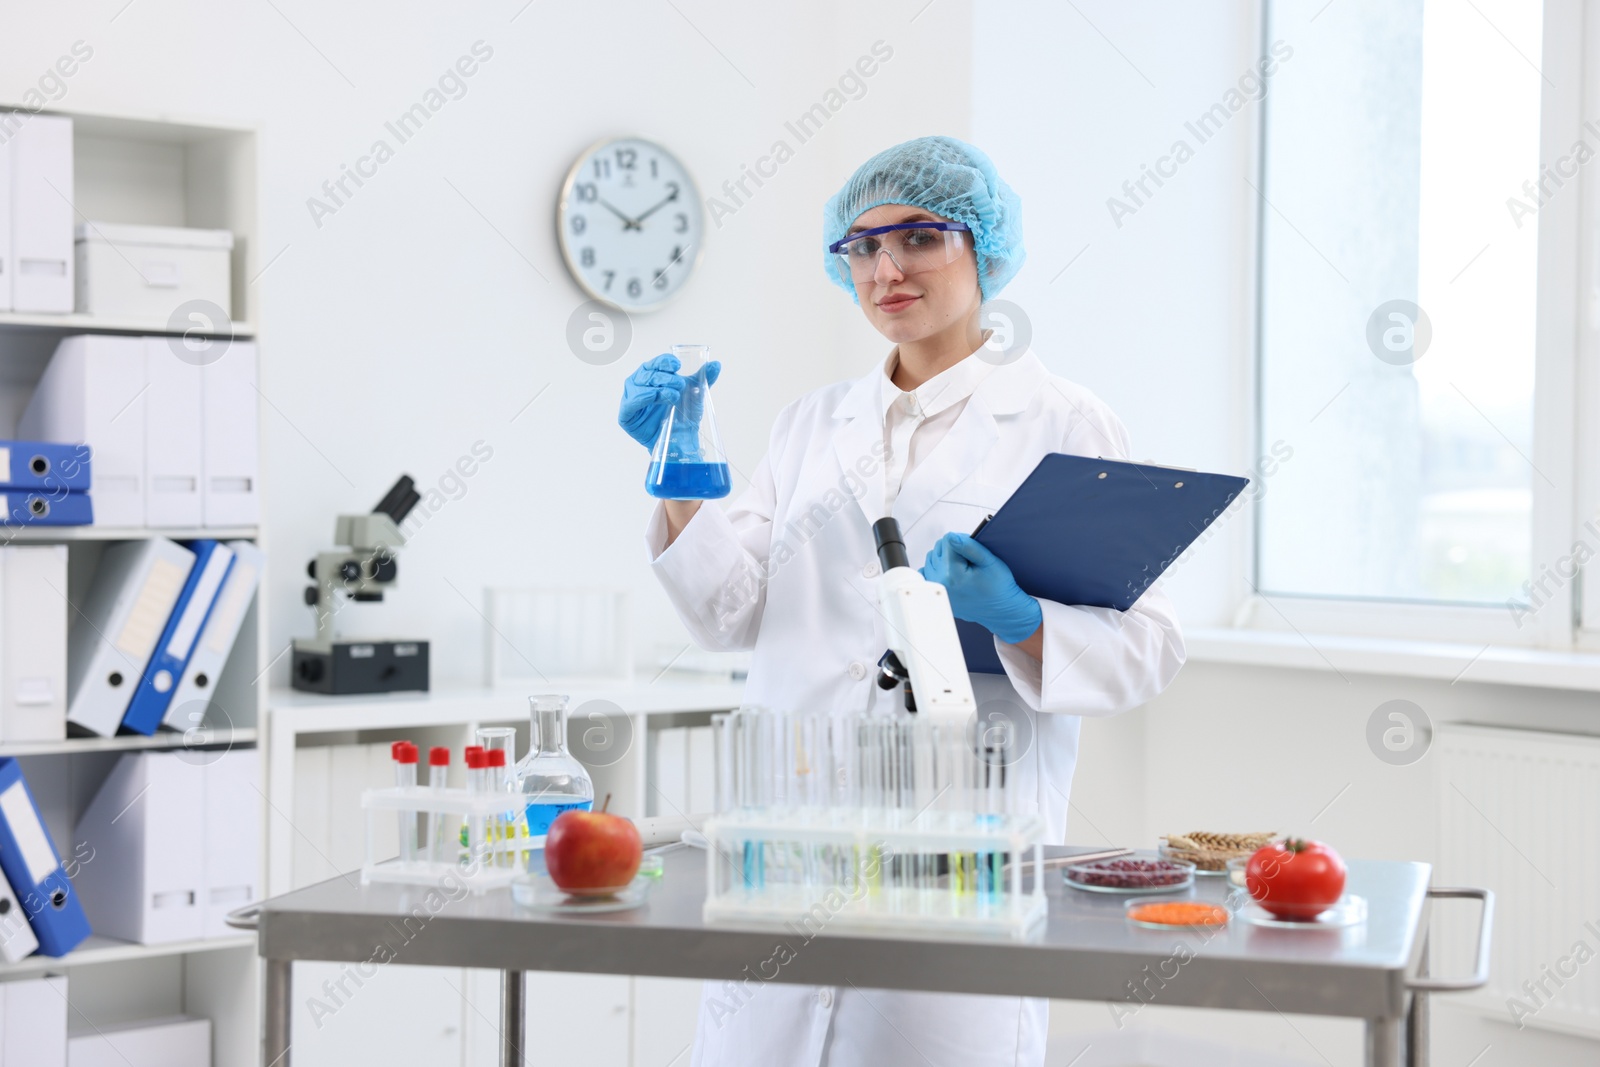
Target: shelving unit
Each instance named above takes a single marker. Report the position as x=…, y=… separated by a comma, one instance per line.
x=97, y=950
x=56, y=534
x=204, y=737
x=151, y=171
x=75, y=323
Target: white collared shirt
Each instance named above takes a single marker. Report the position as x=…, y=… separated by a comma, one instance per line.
x=914, y=422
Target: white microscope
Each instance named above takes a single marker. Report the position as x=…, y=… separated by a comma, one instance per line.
x=359, y=572
x=924, y=647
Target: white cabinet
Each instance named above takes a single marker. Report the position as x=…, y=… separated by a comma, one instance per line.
x=347, y=1014
x=664, y=1013
x=571, y=1018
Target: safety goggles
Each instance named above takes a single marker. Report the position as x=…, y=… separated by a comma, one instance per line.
x=914, y=247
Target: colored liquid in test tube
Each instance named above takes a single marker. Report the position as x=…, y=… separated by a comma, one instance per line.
x=439, y=850
x=501, y=739
x=404, y=754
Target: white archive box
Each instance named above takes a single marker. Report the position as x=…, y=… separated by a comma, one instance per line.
x=172, y=433
x=232, y=860
x=177, y=843
x=175, y=1041
x=150, y=272
x=230, y=489
x=174, y=438
x=40, y=209
x=147, y=829
x=33, y=1022
x=33, y=643
x=200, y=439
x=92, y=392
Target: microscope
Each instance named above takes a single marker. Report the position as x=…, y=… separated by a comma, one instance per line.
x=359, y=571
x=924, y=647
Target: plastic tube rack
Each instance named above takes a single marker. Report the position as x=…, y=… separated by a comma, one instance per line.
x=491, y=855
x=870, y=822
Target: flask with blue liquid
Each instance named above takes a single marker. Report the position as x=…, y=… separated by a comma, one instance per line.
x=687, y=462
x=549, y=778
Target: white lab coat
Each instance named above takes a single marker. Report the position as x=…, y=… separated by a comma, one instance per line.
x=789, y=569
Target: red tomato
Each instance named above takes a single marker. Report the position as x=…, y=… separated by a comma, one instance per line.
x=1295, y=879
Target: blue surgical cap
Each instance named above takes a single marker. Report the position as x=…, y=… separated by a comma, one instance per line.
x=947, y=177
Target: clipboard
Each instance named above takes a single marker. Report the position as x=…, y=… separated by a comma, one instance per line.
x=1095, y=532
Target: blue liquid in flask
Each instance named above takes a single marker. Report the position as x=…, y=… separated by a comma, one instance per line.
x=678, y=479
x=540, y=816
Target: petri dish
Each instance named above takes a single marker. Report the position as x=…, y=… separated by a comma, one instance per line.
x=1200, y=870
x=1348, y=912
x=1181, y=913
x=1129, y=874
x=537, y=891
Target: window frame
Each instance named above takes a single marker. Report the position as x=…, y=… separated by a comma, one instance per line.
x=1566, y=449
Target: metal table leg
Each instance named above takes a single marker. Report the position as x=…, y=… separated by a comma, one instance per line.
x=513, y=1003
x=1417, y=1023
x=275, y=1013
x=1384, y=1042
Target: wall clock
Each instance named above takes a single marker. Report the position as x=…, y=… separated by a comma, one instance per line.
x=630, y=223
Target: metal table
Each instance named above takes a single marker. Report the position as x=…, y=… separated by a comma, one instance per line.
x=1373, y=971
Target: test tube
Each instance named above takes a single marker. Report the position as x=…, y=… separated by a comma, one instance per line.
x=722, y=736
x=405, y=777
x=500, y=823
x=502, y=739
x=438, y=776
x=499, y=737
x=475, y=785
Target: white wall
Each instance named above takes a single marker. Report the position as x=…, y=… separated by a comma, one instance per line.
x=1154, y=314
x=409, y=326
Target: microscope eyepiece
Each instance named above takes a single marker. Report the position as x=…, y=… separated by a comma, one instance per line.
x=891, y=547
x=399, y=500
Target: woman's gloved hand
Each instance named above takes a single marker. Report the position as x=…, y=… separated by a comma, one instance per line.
x=982, y=589
x=650, y=393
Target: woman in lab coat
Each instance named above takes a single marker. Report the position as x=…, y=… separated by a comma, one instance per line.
x=938, y=435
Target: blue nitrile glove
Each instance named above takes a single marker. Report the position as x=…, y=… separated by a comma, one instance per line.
x=982, y=589
x=650, y=392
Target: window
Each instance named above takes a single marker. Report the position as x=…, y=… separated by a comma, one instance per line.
x=1400, y=190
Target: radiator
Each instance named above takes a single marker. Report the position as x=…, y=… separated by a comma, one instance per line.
x=1520, y=814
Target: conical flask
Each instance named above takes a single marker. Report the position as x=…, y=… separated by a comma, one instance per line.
x=687, y=462
x=549, y=778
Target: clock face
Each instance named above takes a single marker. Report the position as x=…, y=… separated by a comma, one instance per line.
x=630, y=223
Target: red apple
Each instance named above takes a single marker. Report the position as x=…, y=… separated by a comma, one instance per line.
x=592, y=851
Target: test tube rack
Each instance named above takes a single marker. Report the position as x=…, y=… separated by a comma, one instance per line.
x=870, y=822
x=493, y=855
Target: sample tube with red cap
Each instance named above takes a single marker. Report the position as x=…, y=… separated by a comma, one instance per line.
x=405, y=754
x=477, y=775
x=494, y=775
x=438, y=773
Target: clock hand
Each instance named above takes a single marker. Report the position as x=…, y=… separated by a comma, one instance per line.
x=627, y=223
x=657, y=207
